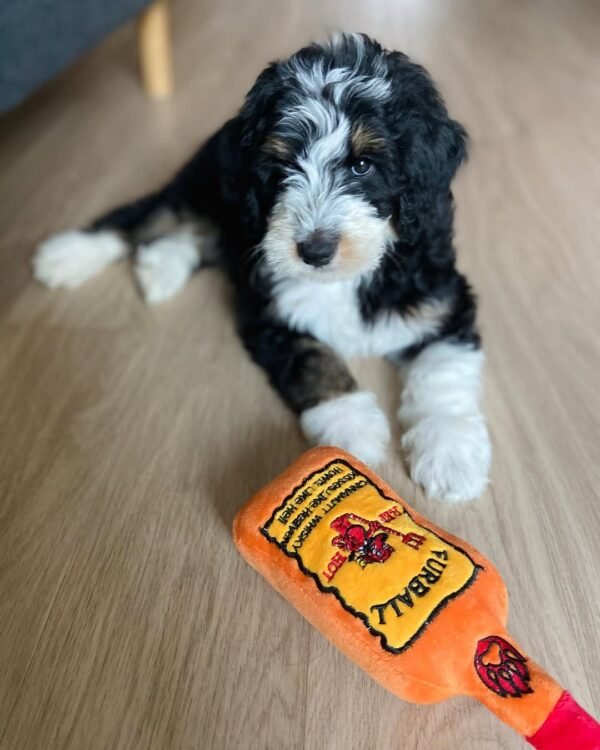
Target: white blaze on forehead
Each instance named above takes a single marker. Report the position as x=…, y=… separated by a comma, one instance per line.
x=310, y=118
x=313, y=109
x=331, y=145
x=341, y=82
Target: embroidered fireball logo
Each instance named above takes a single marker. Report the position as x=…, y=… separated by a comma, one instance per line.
x=366, y=541
x=501, y=667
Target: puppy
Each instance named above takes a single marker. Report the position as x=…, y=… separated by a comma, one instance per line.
x=330, y=197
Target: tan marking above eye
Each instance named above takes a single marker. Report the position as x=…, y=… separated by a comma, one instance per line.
x=277, y=146
x=364, y=140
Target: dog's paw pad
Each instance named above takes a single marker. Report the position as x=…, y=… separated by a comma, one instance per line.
x=449, y=456
x=353, y=422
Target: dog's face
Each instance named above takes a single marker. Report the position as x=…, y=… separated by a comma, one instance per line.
x=348, y=144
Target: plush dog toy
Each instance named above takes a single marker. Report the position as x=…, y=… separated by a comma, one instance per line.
x=418, y=609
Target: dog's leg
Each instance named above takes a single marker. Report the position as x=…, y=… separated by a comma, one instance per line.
x=170, y=247
x=446, y=441
x=164, y=263
x=317, y=385
x=70, y=258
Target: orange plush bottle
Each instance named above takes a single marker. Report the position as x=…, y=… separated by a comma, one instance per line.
x=418, y=609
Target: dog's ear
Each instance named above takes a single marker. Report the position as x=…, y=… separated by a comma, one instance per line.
x=252, y=126
x=430, y=148
x=257, y=113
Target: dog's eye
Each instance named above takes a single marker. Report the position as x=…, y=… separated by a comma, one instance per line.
x=361, y=167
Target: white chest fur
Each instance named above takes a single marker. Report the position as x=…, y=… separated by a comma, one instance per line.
x=331, y=313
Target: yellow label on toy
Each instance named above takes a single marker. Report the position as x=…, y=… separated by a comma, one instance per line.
x=366, y=550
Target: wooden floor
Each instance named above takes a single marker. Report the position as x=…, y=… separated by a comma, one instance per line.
x=131, y=435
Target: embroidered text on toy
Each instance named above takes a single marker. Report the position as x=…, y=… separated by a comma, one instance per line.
x=430, y=573
x=366, y=550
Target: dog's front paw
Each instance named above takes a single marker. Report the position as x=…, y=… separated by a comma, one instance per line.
x=449, y=456
x=353, y=422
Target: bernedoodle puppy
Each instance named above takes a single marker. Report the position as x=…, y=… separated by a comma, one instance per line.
x=327, y=201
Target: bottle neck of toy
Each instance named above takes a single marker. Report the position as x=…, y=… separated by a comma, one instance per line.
x=511, y=684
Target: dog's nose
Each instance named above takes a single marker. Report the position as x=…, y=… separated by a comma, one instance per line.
x=318, y=249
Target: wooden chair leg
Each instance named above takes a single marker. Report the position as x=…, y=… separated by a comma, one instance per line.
x=154, y=50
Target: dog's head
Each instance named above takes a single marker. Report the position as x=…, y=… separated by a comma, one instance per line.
x=351, y=153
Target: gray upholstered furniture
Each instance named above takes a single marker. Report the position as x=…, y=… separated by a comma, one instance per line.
x=39, y=38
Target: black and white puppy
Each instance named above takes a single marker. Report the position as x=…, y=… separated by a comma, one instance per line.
x=330, y=195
